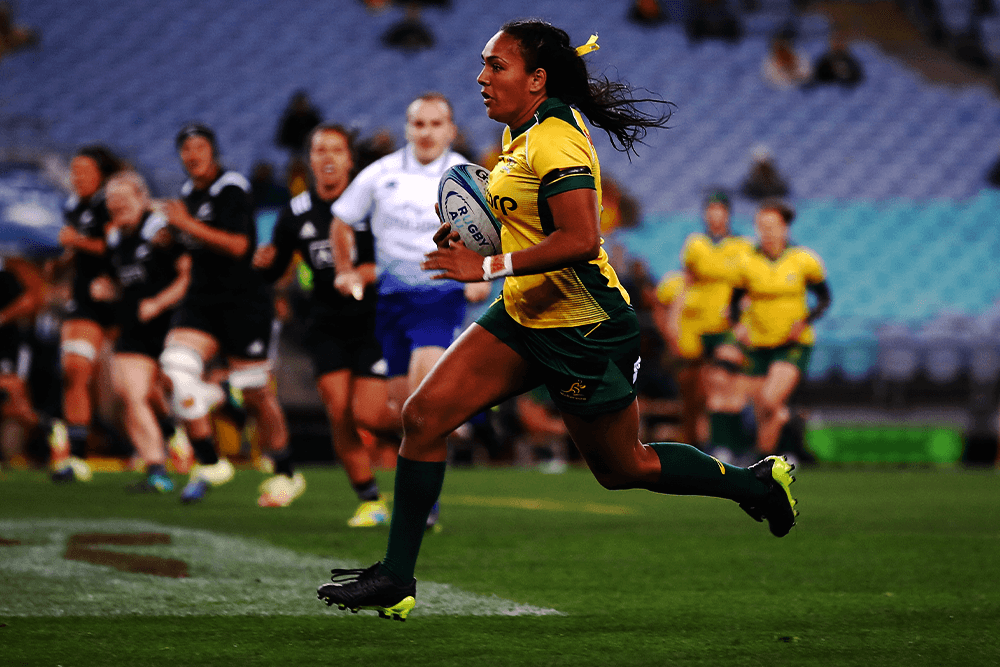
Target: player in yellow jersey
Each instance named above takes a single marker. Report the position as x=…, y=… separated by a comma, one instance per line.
x=775, y=332
x=563, y=320
x=699, y=322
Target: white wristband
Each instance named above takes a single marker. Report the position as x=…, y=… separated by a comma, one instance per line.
x=497, y=266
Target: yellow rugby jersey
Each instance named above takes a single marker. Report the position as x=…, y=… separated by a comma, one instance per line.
x=777, y=291
x=671, y=286
x=550, y=154
x=712, y=268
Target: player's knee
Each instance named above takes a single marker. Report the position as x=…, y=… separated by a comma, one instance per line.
x=190, y=397
x=770, y=409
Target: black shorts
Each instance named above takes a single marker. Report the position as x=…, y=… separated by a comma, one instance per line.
x=10, y=349
x=82, y=307
x=242, y=328
x=145, y=338
x=340, y=343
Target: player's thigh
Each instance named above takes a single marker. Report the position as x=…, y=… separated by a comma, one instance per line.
x=477, y=371
x=81, y=342
x=335, y=391
x=369, y=396
x=133, y=375
x=422, y=360
x=202, y=342
x=779, y=383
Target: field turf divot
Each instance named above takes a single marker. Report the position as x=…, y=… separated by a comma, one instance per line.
x=60, y=567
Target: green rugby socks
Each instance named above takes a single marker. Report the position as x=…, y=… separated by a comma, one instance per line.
x=687, y=471
x=418, y=485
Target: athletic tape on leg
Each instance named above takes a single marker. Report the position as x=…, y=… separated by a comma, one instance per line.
x=252, y=377
x=79, y=347
x=191, y=397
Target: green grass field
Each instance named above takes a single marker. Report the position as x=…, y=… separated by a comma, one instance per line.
x=886, y=567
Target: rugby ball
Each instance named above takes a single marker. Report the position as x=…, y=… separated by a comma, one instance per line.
x=462, y=201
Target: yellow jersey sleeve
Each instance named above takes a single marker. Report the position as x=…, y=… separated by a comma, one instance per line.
x=671, y=286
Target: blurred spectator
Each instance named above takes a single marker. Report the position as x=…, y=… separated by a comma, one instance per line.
x=463, y=146
x=618, y=208
x=712, y=19
x=298, y=120
x=373, y=148
x=409, y=34
x=926, y=15
x=784, y=66
x=13, y=37
x=264, y=189
x=297, y=176
x=968, y=47
x=764, y=180
x=647, y=12
x=993, y=175
x=838, y=65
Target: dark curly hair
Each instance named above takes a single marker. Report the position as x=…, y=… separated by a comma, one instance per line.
x=609, y=105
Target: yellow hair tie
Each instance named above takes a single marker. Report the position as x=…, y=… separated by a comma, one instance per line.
x=591, y=45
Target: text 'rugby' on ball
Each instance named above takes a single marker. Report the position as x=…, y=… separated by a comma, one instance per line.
x=462, y=200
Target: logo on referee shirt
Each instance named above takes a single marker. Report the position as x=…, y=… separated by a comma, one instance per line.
x=308, y=231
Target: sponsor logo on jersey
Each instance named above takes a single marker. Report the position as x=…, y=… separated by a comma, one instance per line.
x=320, y=255
x=205, y=211
x=86, y=218
x=502, y=204
x=308, y=231
x=142, y=251
x=255, y=348
x=131, y=274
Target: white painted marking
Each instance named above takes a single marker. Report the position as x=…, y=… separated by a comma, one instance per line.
x=229, y=576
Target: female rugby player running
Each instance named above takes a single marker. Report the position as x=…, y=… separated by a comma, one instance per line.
x=88, y=323
x=774, y=333
x=564, y=320
x=150, y=273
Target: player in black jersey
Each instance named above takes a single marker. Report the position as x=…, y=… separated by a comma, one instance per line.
x=227, y=311
x=87, y=321
x=20, y=299
x=347, y=357
x=150, y=273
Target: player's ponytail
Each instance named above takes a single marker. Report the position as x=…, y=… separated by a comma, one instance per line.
x=609, y=105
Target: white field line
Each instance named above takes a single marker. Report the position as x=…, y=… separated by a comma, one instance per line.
x=228, y=576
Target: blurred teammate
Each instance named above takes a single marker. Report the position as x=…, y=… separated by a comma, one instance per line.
x=564, y=320
x=711, y=261
x=227, y=311
x=87, y=322
x=21, y=298
x=775, y=333
x=150, y=274
x=341, y=329
x=416, y=317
